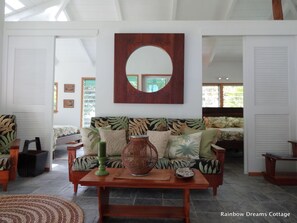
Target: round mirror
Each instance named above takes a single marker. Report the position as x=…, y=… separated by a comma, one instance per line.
x=149, y=69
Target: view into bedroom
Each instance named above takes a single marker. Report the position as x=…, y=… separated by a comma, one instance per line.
x=222, y=92
x=74, y=92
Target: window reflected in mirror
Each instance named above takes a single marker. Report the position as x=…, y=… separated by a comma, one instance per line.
x=153, y=83
x=152, y=66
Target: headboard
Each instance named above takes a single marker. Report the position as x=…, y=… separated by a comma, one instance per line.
x=216, y=112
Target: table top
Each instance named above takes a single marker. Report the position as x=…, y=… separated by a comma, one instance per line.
x=198, y=181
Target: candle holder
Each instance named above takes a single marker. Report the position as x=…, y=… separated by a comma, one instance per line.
x=101, y=169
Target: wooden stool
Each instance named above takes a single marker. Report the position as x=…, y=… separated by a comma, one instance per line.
x=285, y=178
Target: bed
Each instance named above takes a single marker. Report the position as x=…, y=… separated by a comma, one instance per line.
x=230, y=123
x=65, y=134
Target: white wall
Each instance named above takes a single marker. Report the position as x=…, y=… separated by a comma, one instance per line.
x=2, y=3
x=192, y=72
x=72, y=63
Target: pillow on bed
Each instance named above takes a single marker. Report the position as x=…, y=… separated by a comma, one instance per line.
x=115, y=140
x=215, y=122
x=234, y=122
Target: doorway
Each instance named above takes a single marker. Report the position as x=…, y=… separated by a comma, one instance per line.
x=222, y=92
x=75, y=61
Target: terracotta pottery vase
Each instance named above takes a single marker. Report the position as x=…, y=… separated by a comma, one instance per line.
x=140, y=155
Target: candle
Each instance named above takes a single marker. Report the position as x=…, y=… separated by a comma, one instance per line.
x=102, y=149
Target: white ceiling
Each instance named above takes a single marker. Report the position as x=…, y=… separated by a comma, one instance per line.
x=214, y=48
x=106, y=10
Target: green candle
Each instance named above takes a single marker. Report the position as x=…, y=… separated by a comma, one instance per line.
x=102, y=149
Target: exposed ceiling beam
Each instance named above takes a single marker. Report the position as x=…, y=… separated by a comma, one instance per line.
x=289, y=6
x=173, y=9
x=30, y=11
x=230, y=9
x=62, y=6
x=9, y=7
x=209, y=56
x=277, y=10
x=118, y=10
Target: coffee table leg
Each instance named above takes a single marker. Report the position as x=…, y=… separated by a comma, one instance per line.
x=187, y=205
x=103, y=202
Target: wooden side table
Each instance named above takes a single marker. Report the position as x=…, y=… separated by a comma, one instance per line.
x=280, y=178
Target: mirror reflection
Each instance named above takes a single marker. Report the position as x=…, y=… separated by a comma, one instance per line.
x=149, y=69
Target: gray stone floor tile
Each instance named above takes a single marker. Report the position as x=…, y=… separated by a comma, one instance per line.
x=239, y=194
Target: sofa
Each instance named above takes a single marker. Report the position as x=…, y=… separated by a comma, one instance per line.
x=9, y=149
x=179, y=142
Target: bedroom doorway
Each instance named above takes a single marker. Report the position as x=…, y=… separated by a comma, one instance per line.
x=75, y=65
x=222, y=92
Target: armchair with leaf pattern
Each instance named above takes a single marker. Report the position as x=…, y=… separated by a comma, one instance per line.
x=9, y=149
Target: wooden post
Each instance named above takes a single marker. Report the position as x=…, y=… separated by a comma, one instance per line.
x=277, y=10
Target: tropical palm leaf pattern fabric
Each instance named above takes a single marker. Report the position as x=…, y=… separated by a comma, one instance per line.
x=177, y=126
x=7, y=132
x=86, y=163
x=185, y=146
x=5, y=162
x=116, y=122
x=140, y=126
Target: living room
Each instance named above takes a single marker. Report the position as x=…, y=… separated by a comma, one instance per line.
x=275, y=108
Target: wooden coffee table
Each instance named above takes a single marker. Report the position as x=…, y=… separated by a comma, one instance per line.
x=170, y=181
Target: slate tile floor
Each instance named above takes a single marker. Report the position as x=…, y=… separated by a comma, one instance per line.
x=240, y=195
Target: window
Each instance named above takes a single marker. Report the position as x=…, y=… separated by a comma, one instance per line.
x=222, y=95
x=88, y=101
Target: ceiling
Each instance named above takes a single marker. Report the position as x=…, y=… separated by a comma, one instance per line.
x=113, y=10
x=214, y=48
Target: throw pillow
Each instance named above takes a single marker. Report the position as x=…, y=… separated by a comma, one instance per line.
x=209, y=136
x=160, y=140
x=90, y=137
x=115, y=141
x=185, y=146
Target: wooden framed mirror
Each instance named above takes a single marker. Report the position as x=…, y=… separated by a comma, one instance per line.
x=127, y=46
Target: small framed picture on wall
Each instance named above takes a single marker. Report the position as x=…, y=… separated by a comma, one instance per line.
x=69, y=88
x=68, y=103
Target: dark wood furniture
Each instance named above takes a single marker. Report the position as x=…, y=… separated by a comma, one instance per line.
x=217, y=112
x=126, y=44
x=215, y=180
x=104, y=183
x=285, y=178
x=227, y=112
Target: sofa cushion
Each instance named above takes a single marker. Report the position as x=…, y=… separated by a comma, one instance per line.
x=207, y=166
x=215, y=122
x=160, y=140
x=5, y=162
x=140, y=126
x=115, y=122
x=209, y=136
x=90, y=137
x=177, y=126
x=7, y=132
x=184, y=146
x=85, y=163
x=115, y=140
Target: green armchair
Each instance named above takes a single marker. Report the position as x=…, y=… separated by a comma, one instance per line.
x=9, y=150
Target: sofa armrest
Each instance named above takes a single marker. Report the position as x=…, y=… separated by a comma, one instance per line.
x=14, y=156
x=220, y=155
x=71, y=150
